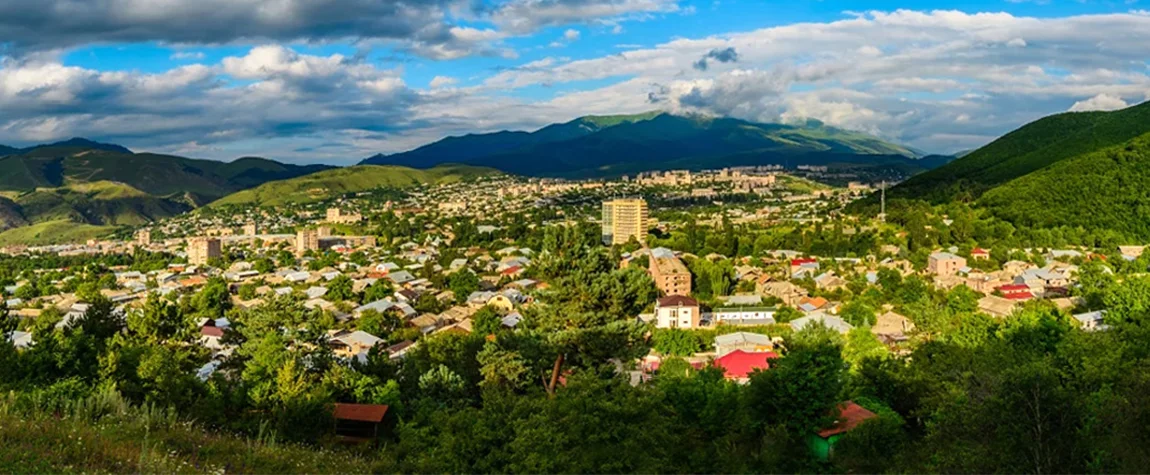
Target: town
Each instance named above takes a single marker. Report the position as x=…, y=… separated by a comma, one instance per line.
x=720, y=269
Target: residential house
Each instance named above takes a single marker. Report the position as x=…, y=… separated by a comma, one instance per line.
x=670, y=275
x=945, y=263
x=809, y=304
x=742, y=316
x=738, y=365
x=789, y=293
x=744, y=341
x=802, y=268
x=892, y=327
x=1016, y=292
x=980, y=254
x=996, y=306
x=829, y=281
x=354, y=344
x=849, y=416
x=677, y=311
x=1092, y=321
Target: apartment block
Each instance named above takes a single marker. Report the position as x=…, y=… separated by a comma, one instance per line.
x=669, y=273
x=202, y=249
x=624, y=219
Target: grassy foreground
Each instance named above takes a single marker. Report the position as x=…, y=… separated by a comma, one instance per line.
x=104, y=434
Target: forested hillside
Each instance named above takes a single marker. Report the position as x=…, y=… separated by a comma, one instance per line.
x=1107, y=189
x=1030, y=148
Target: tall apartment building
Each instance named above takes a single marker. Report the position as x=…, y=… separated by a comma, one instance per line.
x=624, y=219
x=669, y=273
x=202, y=249
x=144, y=237
x=306, y=240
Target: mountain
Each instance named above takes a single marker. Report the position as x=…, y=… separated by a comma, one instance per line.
x=1102, y=190
x=78, y=188
x=1032, y=147
x=83, y=210
x=331, y=183
x=615, y=145
x=81, y=161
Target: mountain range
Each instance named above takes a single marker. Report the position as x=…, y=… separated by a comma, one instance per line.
x=595, y=146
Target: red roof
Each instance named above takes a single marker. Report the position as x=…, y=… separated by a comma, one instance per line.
x=850, y=416
x=799, y=262
x=1016, y=292
x=739, y=364
x=360, y=412
x=978, y=250
x=212, y=331
x=512, y=270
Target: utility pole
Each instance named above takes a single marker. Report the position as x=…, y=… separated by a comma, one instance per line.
x=882, y=210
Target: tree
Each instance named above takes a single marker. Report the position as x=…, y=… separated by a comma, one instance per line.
x=380, y=324
x=487, y=321
x=462, y=283
x=676, y=341
x=378, y=290
x=340, y=289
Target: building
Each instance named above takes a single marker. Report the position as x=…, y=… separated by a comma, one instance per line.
x=624, y=219
x=743, y=316
x=336, y=215
x=306, y=240
x=848, y=416
x=738, y=364
x=250, y=229
x=669, y=273
x=945, y=263
x=203, y=249
x=144, y=237
x=677, y=311
x=749, y=342
x=980, y=254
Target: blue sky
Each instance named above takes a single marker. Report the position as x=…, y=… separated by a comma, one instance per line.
x=334, y=81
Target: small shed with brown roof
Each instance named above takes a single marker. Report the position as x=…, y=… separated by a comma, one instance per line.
x=358, y=422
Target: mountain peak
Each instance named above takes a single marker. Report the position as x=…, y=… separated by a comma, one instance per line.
x=80, y=142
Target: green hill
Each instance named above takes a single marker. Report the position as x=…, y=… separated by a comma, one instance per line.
x=1030, y=148
x=1103, y=190
x=331, y=183
x=614, y=145
x=82, y=161
x=79, y=212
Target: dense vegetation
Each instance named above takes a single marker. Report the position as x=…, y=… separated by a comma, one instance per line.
x=615, y=145
x=1095, y=191
x=1030, y=148
x=331, y=183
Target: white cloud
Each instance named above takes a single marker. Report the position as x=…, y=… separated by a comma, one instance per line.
x=1101, y=102
x=571, y=35
x=442, y=81
x=188, y=55
x=938, y=80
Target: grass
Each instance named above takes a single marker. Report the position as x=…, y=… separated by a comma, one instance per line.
x=102, y=433
x=331, y=183
x=53, y=232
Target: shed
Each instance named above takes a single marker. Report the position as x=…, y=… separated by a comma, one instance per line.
x=358, y=422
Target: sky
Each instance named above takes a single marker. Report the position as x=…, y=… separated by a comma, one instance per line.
x=335, y=81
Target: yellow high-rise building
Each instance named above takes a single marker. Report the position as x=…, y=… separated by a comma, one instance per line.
x=624, y=219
